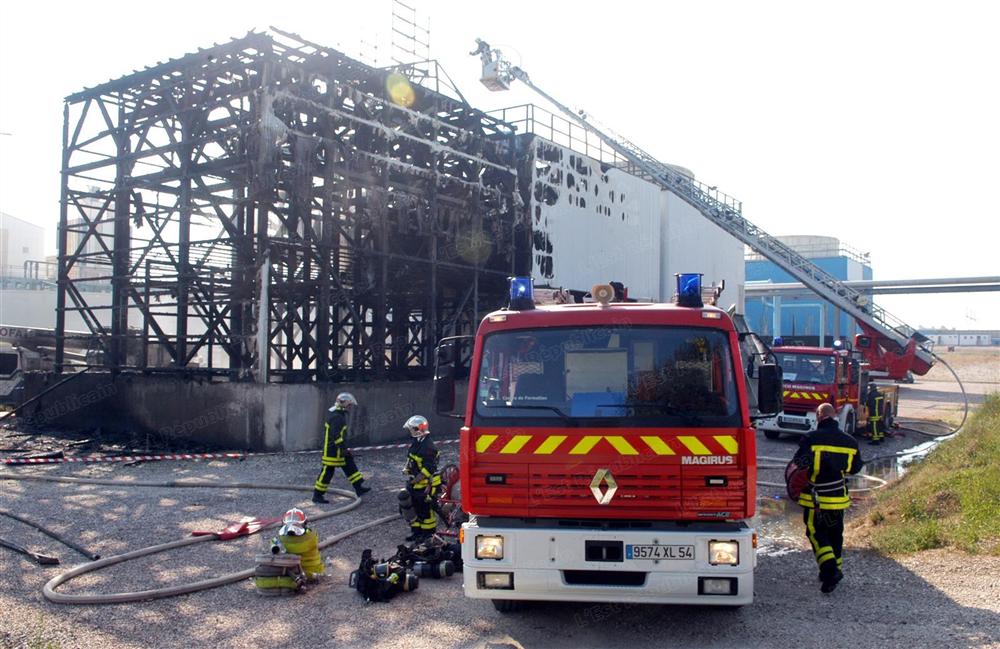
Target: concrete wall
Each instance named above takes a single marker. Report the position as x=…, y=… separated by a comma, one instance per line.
x=20, y=241
x=592, y=224
x=37, y=309
x=693, y=244
x=230, y=415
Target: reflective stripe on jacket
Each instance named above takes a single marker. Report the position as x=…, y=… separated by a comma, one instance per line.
x=422, y=462
x=831, y=456
x=333, y=440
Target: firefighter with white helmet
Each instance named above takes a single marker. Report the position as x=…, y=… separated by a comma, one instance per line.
x=334, y=453
x=295, y=537
x=424, y=481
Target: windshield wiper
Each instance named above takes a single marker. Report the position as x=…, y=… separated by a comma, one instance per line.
x=665, y=408
x=565, y=417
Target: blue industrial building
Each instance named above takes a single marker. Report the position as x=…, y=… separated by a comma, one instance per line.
x=804, y=318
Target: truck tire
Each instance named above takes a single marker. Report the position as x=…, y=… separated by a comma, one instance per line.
x=772, y=434
x=507, y=605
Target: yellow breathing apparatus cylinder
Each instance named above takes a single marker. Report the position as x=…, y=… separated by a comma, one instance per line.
x=306, y=546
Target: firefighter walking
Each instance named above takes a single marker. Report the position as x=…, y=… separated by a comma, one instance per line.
x=424, y=481
x=334, y=453
x=874, y=402
x=830, y=456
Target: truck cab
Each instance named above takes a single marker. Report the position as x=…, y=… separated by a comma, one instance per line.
x=608, y=455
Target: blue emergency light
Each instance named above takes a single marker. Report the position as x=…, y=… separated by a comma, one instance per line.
x=522, y=294
x=689, y=289
x=778, y=341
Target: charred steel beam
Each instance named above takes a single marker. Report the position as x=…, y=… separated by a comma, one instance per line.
x=374, y=220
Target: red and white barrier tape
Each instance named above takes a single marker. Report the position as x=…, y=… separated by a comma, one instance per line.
x=407, y=445
x=122, y=458
x=178, y=456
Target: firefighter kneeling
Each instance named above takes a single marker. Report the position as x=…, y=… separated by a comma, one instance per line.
x=294, y=558
x=416, y=501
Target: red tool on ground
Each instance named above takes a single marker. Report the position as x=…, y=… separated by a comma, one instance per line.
x=244, y=527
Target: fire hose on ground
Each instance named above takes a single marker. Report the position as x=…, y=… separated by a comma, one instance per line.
x=46, y=531
x=49, y=590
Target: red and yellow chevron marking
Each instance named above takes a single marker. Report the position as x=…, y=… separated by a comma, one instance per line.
x=540, y=445
x=809, y=396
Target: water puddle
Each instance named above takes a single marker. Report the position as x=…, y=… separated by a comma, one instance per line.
x=779, y=526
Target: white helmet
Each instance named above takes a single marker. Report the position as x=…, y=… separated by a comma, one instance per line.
x=417, y=426
x=344, y=399
x=293, y=523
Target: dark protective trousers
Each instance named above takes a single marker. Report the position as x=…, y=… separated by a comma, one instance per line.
x=825, y=530
x=875, y=420
x=346, y=462
x=426, y=520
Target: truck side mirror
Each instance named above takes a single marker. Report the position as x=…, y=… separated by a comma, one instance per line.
x=769, y=389
x=444, y=378
x=446, y=353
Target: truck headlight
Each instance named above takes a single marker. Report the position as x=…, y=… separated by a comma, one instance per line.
x=724, y=553
x=489, y=547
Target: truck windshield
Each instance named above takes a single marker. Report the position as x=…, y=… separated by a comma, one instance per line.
x=616, y=376
x=806, y=368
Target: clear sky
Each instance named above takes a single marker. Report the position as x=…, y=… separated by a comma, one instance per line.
x=875, y=122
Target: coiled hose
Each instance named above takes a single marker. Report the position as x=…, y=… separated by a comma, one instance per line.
x=49, y=590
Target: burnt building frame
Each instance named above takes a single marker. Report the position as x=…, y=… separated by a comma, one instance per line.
x=269, y=209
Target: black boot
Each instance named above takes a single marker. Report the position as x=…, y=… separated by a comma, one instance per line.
x=830, y=582
x=318, y=497
x=360, y=488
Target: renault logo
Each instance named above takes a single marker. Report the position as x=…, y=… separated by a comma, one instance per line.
x=603, y=475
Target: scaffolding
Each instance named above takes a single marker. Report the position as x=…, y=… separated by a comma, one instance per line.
x=269, y=209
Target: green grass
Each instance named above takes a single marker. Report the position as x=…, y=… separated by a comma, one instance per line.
x=951, y=499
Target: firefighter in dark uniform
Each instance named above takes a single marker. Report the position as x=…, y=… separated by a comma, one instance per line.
x=874, y=402
x=830, y=456
x=334, y=453
x=424, y=481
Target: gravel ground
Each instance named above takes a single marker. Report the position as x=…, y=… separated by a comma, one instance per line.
x=934, y=599
x=941, y=599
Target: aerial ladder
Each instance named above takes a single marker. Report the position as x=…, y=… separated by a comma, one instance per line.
x=891, y=347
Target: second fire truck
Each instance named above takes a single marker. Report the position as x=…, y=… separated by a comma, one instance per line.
x=814, y=375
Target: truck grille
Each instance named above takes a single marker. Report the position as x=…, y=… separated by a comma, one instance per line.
x=662, y=491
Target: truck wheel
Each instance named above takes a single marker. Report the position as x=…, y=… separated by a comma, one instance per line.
x=772, y=434
x=507, y=605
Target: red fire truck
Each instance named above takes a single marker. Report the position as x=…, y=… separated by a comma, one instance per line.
x=607, y=452
x=814, y=375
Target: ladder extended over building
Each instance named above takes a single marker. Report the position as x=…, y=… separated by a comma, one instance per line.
x=890, y=345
